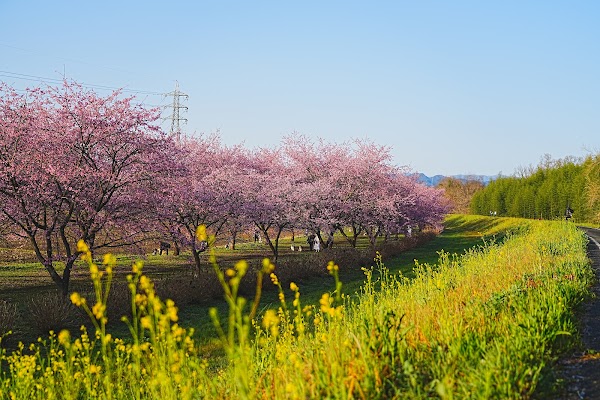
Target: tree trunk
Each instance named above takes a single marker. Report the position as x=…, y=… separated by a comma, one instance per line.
x=66, y=278
x=196, y=254
x=352, y=240
x=273, y=246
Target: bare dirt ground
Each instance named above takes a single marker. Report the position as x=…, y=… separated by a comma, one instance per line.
x=581, y=370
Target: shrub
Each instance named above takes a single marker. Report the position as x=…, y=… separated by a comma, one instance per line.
x=189, y=290
x=118, y=303
x=53, y=312
x=8, y=316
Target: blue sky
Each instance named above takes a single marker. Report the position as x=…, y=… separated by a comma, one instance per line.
x=454, y=87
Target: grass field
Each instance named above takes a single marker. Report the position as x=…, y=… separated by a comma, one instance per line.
x=484, y=318
x=28, y=285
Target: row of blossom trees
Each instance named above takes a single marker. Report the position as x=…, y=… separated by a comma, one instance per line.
x=76, y=165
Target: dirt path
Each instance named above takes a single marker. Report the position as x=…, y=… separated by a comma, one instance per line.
x=581, y=371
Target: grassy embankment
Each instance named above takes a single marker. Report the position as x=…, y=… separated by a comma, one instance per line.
x=485, y=324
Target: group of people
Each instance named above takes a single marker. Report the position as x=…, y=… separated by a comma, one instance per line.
x=314, y=243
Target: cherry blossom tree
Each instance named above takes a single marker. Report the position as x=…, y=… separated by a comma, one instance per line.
x=76, y=165
x=314, y=168
x=270, y=198
x=357, y=187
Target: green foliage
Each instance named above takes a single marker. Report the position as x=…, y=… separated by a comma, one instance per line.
x=542, y=193
x=592, y=186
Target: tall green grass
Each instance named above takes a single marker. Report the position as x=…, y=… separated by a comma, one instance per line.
x=485, y=324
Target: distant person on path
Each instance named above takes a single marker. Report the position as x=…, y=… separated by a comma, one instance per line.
x=569, y=213
x=329, y=243
x=311, y=240
x=316, y=244
x=256, y=236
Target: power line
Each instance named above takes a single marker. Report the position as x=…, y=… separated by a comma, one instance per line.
x=41, y=79
x=175, y=118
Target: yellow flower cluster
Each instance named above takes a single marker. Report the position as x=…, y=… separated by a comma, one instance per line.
x=271, y=322
x=267, y=266
x=326, y=303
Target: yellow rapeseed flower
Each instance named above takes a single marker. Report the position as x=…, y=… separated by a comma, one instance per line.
x=98, y=310
x=331, y=267
x=64, y=337
x=267, y=266
x=270, y=318
x=325, y=302
x=146, y=322
x=137, y=267
x=95, y=369
x=145, y=283
x=241, y=267
x=109, y=260
x=76, y=299
x=82, y=247
x=201, y=233
x=293, y=287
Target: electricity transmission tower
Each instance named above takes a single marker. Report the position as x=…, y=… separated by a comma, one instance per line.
x=175, y=118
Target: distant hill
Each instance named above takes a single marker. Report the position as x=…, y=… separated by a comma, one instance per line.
x=435, y=180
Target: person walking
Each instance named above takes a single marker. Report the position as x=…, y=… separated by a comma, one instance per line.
x=316, y=244
x=311, y=241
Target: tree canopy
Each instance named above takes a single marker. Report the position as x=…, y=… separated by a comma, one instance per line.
x=546, y=191
x=77, y=165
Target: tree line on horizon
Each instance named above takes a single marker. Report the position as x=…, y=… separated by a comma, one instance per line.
x=545, y=191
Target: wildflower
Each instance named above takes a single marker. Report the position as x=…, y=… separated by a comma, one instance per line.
x=77, y=300
x=230, y=273
x=293, y=287
x=82, y=247
x=95, y=369
x=267, y=267
x=331, y=267
x=201, y=233
x=64, y=337
x=290, y=388
x=271, y=321
x=94, y=270
x=98, y=310
x=274, y=279
x=109, y=260
x=172, y=310
x=106, y=340
x=140, y=299
x=145, y=283
x=146, y=322
x=137, y=267
x=326, y=307
x=241, y=267
x=325, y=302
